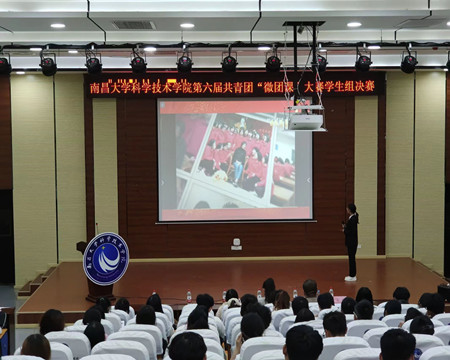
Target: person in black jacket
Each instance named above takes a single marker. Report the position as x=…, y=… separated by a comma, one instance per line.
x=351, y=240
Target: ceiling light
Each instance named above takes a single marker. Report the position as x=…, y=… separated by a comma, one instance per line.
x=187, y=25
x=48, y=66
x=374, y=47
x=229, y=64
x=35, y=49
x=20, y=72
x=322, y=50
x=184, y=64
x=448, y=23
x=73, y=51
x=321, y=63
x=273, y=63
x=408, y=64
x=5, y=66
x=264, y=48
x=363, y=63
x=354, y=24
x=150, y=48
x=58, y=26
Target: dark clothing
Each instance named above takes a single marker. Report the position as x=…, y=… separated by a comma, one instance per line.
x=239, y=155
x=351, y=250
x=351, y=241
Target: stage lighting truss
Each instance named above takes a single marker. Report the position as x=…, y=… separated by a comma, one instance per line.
x=409, y=61
x=363, y=60
x=5, y=64
x=229, y=62
x=184, y=62
x=273, y=62
x=321, y=63
x=48, y=63
x=93, y=62
x=138, y=61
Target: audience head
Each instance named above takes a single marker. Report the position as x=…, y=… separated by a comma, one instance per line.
x=310, y=288
x=282, y=300
x=155, y=302
x=99, y=309
x=123, y=304
x=397, y=344
x=436, y=305
x=302, y=343
x=231, y=294
x=412, y=313
x=263, y=311
x=422, y=325
x=325, y=301
x=363, y=310
x=252, y=326
x=335, y=324
x=95, y=332
x=206, y=300
x=92, y=314
x=364, y=293
x=269, y=290
x=146, y=316
x=299, y=303
x=104, y=303
x=36, y=345
x=245, y=301
x=187, y=346
x=401, y=294
x=348, y=305
x=424, y=300
x=198, y=318
x=52, y=320
x=392, y=307
x=304, y=315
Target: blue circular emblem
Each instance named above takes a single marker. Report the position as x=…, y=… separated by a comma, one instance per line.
x=106, y=258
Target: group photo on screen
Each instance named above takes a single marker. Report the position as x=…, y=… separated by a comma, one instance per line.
x=233, y=158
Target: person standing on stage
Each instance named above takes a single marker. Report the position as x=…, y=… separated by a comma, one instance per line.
x=350, y=229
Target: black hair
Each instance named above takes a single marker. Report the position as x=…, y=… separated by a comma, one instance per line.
x=397, y=344
x=155, y=302
x=187, y=346
x=36, y=345
x=269, y=290
x=211, y=142
x=52, y=320
x=198, y=318
x=352, y=208
x=422, y=325
x=99, y=309
x=95, y=332
x=401, y=294
x=336, y=323
x=123, y=304
x=104, y=303
x=299, y=303
x=282, y=300
x=206, y=300
x=364, y=293
x=303, y=343
x=348, y=305
x=325, y=301
x=202, y=205
x=364, y=310
x=310, y=288
x=424, y=300
x=304, y=315
x=263, y=311
x=392, y=307
x=412, y=313
x=231, y=294
x=245, y=301
x=146, y=316
x=92, y=314
x=436, y=304
x=252, y=326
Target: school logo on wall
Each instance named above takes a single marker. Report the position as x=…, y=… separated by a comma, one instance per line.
x=106, y=258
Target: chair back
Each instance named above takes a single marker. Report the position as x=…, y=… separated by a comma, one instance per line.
x=405, y=307
x=269, y=355
x=108, y=357
x=359, y=354
x=255, y=345
x=169, y=312
x=150, y=329
x=214, y=347
x=373, y=336
x=286, y=323
x=278, y=315
x=333, y=346
x=360, y=327
x=393, y=320
x=425, y=342
x=77, y=342
x=115, y=320
x=125, y=347
x=437, y=353
x=443, y=333
x=443, y=318
x=108, y=326
x=140, y=336
x=124, y=317
x=58, y=351
x=21, y=357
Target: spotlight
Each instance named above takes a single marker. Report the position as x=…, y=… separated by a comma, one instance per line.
x=5, y=66
x=229, y=64
x=363, y=62
x=138, y=65
x=93, y=63
x=409, y=62
x=322, y=63
x=184, y=63
x=48, y=64
x=273, y=63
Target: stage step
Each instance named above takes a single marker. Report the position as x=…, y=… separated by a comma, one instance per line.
x=31, y=286
x=25, y=291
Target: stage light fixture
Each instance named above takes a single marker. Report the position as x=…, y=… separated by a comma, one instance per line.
x=138, y=65
x=321, y=63
x=229, y=64
x=184, y=63
x=93, y=62
x=363, y=60
x=5, y=66
x=273, y=63
x=409, y=62
x=48, y=64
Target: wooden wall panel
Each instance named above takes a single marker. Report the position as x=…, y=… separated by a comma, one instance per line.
x=5, y=134
x=381, y=203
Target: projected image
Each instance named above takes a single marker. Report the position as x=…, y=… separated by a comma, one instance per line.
x=231, y=160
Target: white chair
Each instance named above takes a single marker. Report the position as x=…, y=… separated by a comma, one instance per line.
x=125, y=347
x=255, y=345
x=152, y=330
x=359, y=354
x=229, y=314
x=373, y=336
x=142, y=337
x=425, y=342
x=231, y=325
x=108, y=357
x=131, y=321
x=269, y=355
x=115, y=320
x=108, y=326
x=437, y=353
x=323, y=312
x=169, y=312
x=58, y=351
x=349, y=318
x=286, y=323
x=187, y=309
x=378, y=313
x=435, y=322
x=234, y=334
x=269, y=305
x=443, y=318
x=360, y=327
x=443, y=333
x=278, y=315
x=78, y=343
x=214, y=347
x=204, y=333
x=21, y=357
x=161, y=326
x=167, y=323
x=334, y=345
x=405, y=307
x=393, y=320
x=315, y=324
x=314, y=307
x=124, y=316
x=213, y=356
x=76, y=328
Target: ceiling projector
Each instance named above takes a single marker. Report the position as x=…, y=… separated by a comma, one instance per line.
x=306, y=118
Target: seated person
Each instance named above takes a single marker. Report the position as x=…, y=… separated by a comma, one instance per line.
x=95, y=332
x=348, y=305
x=299, y=303
x=206, y=300
x=92, y=314
x=302, y=343
x=146, y=316
x=436, y=305
x=104, y=304
x=424, y=300
x=401, y=294
x=231, y=301
x=392, y=307
x=187, y=346
x=310, y=290
x=282, y=300
x=52, y=320
x=363, y=310
x=412, y=313
x=397, y=344
x=246, y=300
x=335, y=324
x=364, y=293
x=266, y=316
x=155, y=302
x=269, y=291
x=251, y=326
x=198, y=318
x=304, y=315
x=325, y=301
x=36, y=345
x=123, y=304
x=422, y=325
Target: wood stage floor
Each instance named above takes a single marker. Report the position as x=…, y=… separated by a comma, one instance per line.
x=66, y=288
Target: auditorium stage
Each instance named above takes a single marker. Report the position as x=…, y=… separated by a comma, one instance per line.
x=66, y=288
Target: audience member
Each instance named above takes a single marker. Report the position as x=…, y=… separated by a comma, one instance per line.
x=269, y=290
x=325, y=301
x=302, y=343
x=36, y=345
x=304, y=315
x=335, y=324
x=263, y=311
x=436, y=305
x=392, y=307
x=146, y=316
x=52, y=320
x=206, y=300
x=155, y=302
x=245, y=301
x=92, y=314
x=424, y=300
x=198, y=318
x=251, y=326
x=412, y=313
x=348, y=305
x=231, y=301
x=397, y=344
x=95, y=332
x=187, y=346
x=282, y=300
x=104, y=303
x=422, y=325
x=363, y=310
x=364, y=293
x=123, y=304
x=310, y=290
x=299, y=303
x=401, y=294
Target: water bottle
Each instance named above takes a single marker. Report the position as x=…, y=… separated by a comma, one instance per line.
x=259, y=296
x=224, y=295
x=295, y=294
x=189, y=296
x=154, y=292
x=318, y=292
x=332, y=292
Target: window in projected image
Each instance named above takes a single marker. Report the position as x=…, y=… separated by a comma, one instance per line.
x=231, y=160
